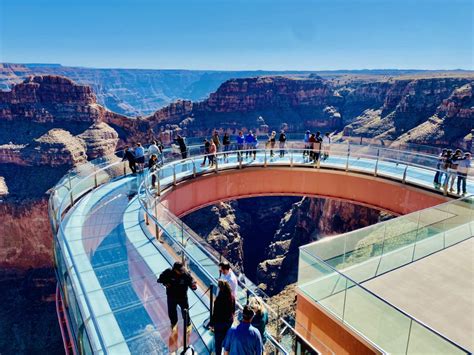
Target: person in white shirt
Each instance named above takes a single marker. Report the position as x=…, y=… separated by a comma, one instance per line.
x=326, y=146
x=226, y=274
x=155, y=149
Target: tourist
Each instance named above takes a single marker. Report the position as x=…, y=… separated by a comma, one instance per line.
x=250, y=144
x=153, y=149
x=212, y=153
x=223, y=314
x=463, y=170
x=226, y=144
x=157, y=149
x=140, y=156
x=311, y=142
x=152, y=165
x=444, y=168
x=240, y=144
x=326, y=146
x=282, y=140
x=260, y=319
x=243, y=339
x=453, y=167
x=317, y=146
x=438, y=174
x=207, y=145
x=177, y=281
x=130, y=157
x=307, y=144
x=182, y=146
x=271, y=142
x=228, y=275
x=216, y=140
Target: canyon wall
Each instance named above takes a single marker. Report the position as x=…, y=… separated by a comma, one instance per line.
x=49, y=124
x=261, y=235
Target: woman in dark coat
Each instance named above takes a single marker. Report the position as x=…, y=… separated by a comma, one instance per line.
x=223, y=314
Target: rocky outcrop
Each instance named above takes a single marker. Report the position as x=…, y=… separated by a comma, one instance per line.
x=434, y=111
x=217, y=225
x=100, y=140
x=55, y=148
x=309, y=220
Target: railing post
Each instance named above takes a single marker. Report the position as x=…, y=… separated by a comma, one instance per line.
x=70, y=190
x=291, y=158
x=194, y=168
x=217, y=164
x=404, y=179
x=265, y=159
x=174, y=174
x=348, y=154
x=95, y=177
x=124, y=168
x=377, y=162
x=158, y=183
x=145, y=203
x=240, y=157
x=211, y=299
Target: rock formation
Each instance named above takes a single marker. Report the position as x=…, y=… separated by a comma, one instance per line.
x=266, y=232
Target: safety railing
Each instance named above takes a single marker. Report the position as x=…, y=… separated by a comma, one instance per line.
x=331, y=272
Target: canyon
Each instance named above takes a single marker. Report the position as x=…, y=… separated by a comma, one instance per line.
x=50, y=124
x=261, y=235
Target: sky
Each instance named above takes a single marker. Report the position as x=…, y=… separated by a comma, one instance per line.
x=239, y=34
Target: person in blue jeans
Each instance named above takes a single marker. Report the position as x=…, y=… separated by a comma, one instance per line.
x=244, y=339
x=250, y=142
x=240, y=144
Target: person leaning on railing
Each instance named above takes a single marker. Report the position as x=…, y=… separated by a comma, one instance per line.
x=439, y=165
x=463, y=170
x=453, y=167
x=130, y=157
x=182, y=146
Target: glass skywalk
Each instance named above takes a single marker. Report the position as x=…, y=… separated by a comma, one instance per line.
x=108, y=259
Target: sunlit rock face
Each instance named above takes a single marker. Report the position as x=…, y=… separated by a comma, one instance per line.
x=262, y=235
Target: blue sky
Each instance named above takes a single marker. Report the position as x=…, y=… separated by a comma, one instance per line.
x=239, y=34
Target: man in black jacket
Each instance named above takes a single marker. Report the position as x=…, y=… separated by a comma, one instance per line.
x=130, y=157
x=177, y=280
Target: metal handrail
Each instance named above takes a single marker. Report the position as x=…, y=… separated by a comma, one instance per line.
x=148, y=193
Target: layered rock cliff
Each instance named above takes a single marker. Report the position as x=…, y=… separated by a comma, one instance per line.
x=47, y=126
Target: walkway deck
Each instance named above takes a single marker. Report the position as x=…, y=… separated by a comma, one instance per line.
x=438, y=290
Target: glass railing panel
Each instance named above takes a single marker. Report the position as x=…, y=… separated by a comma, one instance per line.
x=376, y=320
x=423, y=341
x=321, y=283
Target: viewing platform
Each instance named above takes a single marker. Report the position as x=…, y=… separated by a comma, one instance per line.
x=115, y=233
